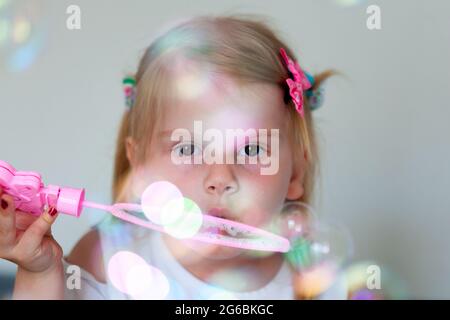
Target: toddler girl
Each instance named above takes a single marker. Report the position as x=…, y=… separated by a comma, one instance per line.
x=219, y=74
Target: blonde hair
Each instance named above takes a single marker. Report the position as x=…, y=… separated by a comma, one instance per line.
x=241, y=47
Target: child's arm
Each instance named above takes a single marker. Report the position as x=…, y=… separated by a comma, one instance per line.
x=27, y=241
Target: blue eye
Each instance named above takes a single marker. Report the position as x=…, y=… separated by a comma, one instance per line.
x=251, y=150
x=186, y=150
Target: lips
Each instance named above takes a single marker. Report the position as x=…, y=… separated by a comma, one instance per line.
x=217, y=212
x=220, y=212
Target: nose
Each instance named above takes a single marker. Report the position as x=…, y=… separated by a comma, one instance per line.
x=220, y=180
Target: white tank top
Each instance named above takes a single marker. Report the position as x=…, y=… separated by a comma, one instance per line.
x=149, y=245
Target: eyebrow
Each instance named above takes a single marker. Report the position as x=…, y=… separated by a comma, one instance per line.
x=168, y=133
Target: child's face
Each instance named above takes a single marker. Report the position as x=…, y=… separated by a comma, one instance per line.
x=244, y=194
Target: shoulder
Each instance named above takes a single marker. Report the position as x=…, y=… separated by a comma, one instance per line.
x=88, y=255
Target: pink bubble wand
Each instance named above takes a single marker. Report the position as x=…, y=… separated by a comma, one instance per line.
x=31, y=195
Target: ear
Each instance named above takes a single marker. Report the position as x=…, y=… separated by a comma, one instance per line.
x=130, y=147
x=296, y=189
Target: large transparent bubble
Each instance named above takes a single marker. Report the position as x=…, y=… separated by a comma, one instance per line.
x=319, y=248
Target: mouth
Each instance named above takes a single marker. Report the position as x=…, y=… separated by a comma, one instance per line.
x=220, y=227
x=223, y=229
x=220, y=231
x=218, y=212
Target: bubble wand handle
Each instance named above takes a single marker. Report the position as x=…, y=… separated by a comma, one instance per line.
x=30, y=195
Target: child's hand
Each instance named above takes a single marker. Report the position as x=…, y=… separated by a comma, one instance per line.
x=25, y=239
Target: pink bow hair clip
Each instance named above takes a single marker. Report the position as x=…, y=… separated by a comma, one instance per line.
x=297, y=85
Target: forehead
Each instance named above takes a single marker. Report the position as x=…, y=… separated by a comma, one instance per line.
x=221, y=102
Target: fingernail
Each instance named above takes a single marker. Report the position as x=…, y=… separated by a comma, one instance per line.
x=52, y=211
x=4, y=204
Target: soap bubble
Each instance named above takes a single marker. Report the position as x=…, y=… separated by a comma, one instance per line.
x=315, y=280
x=146, y=282
x=162, y=202
x=183, y=223
x=324, y=243
x=295, y=219
x=318, y=257
x=131, y=274
x=23, y=29
x=319, y=249
x=331, y=242
x=313, y=241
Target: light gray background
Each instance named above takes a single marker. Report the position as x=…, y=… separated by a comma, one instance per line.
x=384, y=128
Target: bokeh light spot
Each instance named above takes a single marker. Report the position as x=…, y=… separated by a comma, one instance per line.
x=131, y=274
x=188, y=223
x=158, y=195
x=22, y=29
x=145, y=282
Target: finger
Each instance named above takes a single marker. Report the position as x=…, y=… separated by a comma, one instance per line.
x=32, y=237
x=7, y=219
x=24, y=220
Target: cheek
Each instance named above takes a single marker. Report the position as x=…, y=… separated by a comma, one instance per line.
x=267, y=192
x=186, y=177
x=262, y=197
x=166, y=169
x=160, y=169
x=273, y=187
